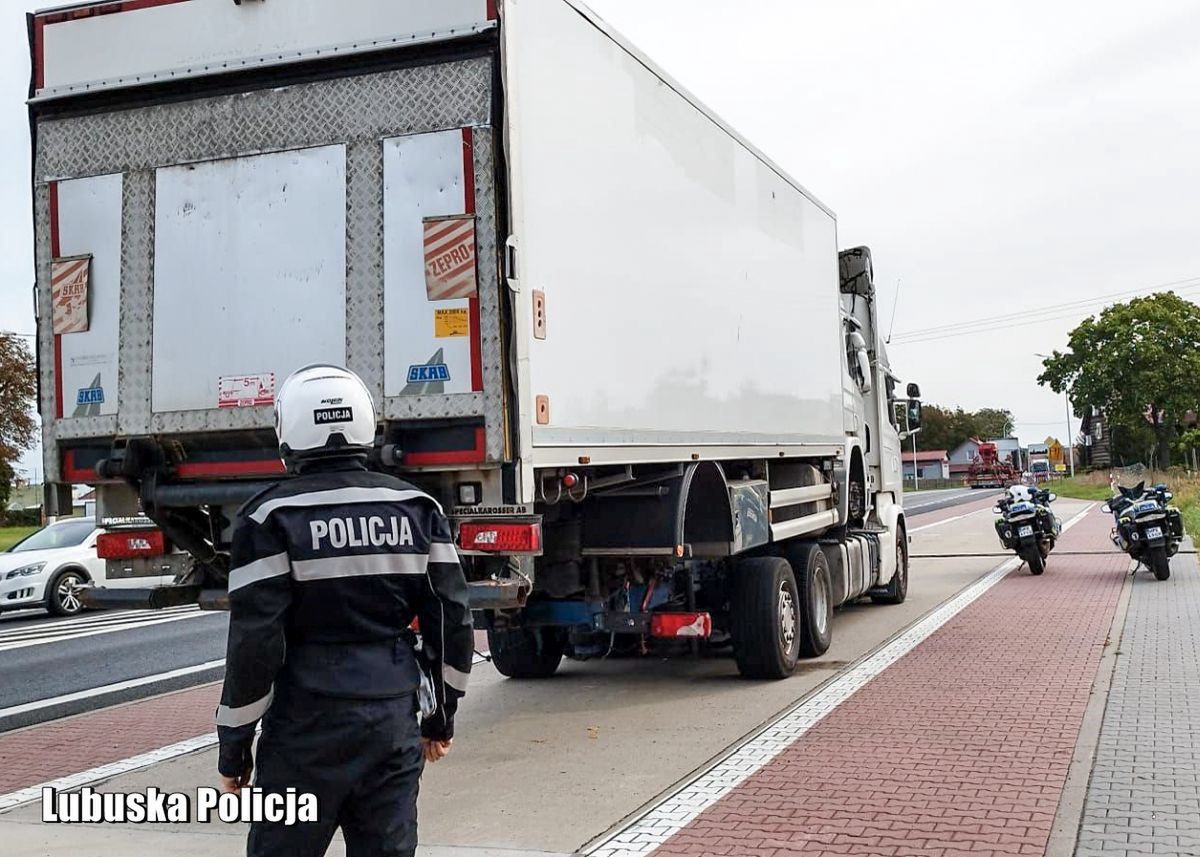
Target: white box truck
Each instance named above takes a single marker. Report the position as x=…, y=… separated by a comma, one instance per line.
x=614, y=339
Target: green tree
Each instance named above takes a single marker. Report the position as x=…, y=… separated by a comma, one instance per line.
x=1138, y=361
x=994, y=422
x=943, y=428
x=18, y=386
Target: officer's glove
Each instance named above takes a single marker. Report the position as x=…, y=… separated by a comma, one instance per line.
x=236, y=763
x=438, y=726
x=232, y=783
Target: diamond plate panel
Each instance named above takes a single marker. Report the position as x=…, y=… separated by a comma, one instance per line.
x=358, y=111
x=45, y=345
x=364, y=263
x=489, y=299
x=424, y=98
x=137, y=301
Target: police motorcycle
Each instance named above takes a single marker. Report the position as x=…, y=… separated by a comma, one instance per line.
x=1147, y=529
x=1027, y=526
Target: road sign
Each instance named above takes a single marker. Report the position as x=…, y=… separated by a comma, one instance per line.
x=1060, y=468
x=1055, y=453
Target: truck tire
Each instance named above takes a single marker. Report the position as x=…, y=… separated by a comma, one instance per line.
x=526, y=653
x=765, y=618
x=816, y=600
x=897, y=589
x=1160, y=563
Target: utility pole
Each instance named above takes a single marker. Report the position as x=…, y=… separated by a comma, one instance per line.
x=1070, y=445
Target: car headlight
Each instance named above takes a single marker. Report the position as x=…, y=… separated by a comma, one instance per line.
x=25, y=570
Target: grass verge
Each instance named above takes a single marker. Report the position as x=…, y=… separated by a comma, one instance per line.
x=9, y=536
x=1094, y=486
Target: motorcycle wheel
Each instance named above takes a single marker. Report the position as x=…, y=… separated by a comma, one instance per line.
x=1160, y=563
x=1033, y=558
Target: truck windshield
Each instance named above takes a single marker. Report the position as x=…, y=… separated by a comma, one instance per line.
x=64, y=534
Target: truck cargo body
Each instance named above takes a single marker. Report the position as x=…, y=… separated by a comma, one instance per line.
x=605, y=331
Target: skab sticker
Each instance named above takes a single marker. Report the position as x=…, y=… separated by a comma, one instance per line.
x=430, y=372
x=90, y=396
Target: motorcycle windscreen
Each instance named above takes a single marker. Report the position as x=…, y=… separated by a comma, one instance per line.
x=249, y=275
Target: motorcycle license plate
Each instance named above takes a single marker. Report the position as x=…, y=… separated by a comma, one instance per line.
x=1025, y=532
x=1154, y=532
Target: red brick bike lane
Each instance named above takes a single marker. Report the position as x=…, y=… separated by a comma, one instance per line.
x=962, y=747
x=60, y=748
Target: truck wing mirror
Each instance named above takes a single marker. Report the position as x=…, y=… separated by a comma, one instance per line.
x=914, y=414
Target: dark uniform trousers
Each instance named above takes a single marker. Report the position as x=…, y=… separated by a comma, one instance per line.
x=360, y=757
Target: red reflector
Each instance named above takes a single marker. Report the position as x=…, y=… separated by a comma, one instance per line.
x=500, y=537
x=130, y=543
x=680, y=625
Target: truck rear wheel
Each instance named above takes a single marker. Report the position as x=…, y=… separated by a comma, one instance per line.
x=525, y=652
x=765, y=618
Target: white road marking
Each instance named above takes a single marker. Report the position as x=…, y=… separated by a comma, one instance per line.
x=663, y=820
x=107, y=688
x=929, y=503
x=124, y=766
x=948, y=520
x=88, y=620
x=142, y=620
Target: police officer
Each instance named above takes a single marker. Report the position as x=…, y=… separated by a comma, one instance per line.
x=328, y=571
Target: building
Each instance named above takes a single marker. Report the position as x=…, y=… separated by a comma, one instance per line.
x=934, y=464
x=962, y=456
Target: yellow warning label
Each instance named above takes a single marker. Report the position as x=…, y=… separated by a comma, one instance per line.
x=451, y=322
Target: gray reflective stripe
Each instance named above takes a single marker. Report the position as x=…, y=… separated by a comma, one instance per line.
x=454, y=678
x=360, y=566
x=260, y=569
x=338, y=497
x=246, y=714
x=442, y=552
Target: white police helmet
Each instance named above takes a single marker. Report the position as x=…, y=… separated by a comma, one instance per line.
x=322, y=411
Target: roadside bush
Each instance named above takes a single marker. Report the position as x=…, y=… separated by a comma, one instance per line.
x=22, y=518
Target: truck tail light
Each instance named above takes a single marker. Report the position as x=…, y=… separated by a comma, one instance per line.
x=680, y=625
x=507, y=538
x=127, y=544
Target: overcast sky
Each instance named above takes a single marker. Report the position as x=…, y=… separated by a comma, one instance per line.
x=998, y=158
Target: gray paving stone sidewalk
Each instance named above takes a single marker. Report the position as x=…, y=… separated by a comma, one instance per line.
x=1144, y=794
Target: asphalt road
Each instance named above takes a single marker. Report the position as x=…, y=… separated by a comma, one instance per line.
x=52, y=667
x=924, y=502
x=102, y=658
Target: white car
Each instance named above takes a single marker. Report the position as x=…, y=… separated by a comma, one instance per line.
x=47, y=568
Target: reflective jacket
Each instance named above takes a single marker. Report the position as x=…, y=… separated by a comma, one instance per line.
x=328, y=571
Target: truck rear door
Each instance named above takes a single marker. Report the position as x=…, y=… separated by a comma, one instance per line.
x=334, y=203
